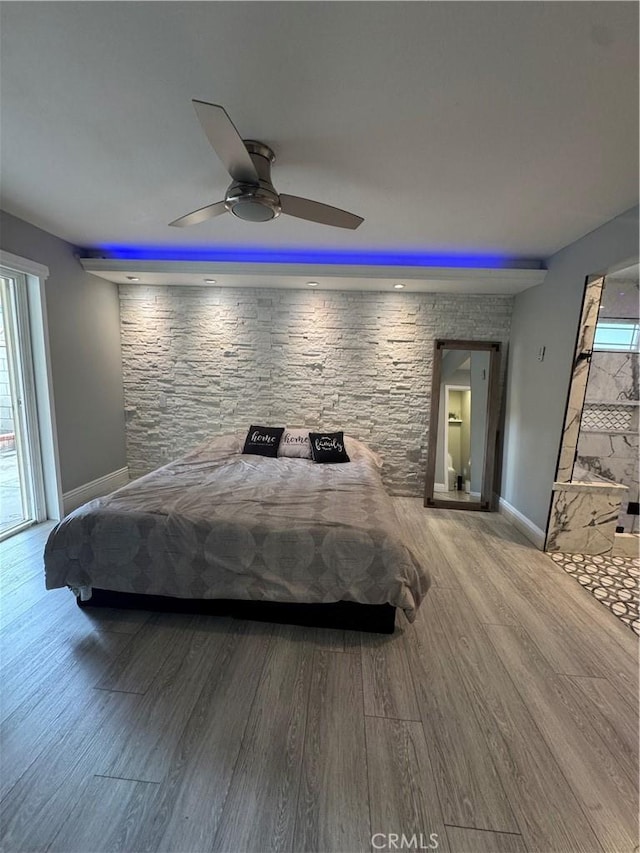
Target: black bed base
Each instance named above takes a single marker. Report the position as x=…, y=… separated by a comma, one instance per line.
x=344, y=615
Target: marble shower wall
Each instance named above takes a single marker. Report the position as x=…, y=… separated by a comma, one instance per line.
x=608, y=442
x=613, y=378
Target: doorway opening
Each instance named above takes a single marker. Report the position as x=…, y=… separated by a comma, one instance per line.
x=22, y=500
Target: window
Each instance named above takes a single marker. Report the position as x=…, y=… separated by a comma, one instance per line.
x=617, y=336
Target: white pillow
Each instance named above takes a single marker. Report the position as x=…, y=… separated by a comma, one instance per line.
x=295, y=444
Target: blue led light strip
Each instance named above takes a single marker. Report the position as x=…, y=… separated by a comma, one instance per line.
x=259, y=255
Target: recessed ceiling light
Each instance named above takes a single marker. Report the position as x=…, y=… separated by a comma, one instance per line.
x=210, y=281
x=398, y=286
x=133, y=278
x=312, y=283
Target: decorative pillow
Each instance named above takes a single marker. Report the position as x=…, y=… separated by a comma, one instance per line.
x=328, y=447
x=295, y=443
x=263, y=440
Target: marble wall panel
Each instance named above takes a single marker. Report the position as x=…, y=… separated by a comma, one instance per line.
x=614, y=457
x=583, y=521
x=580, y=375
x=613, y=377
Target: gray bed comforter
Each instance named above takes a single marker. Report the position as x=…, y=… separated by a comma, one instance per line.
x=220, y=524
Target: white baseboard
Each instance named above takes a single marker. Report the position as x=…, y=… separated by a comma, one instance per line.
x=440, y=487
x=95, y=489
x=522, y=523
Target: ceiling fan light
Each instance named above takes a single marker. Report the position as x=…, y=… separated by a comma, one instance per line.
x=252, y=211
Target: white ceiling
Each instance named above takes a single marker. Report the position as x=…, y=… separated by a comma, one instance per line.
x=506, y=127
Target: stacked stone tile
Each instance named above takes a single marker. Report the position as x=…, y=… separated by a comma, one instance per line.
x=202, y=361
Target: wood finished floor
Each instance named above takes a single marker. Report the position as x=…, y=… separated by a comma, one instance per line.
x=504, y=720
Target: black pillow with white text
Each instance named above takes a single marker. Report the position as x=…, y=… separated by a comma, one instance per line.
x=328, y=447
x=263, y=440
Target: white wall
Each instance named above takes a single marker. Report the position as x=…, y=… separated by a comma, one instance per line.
x=84, y=339
x=548, y=316
x=201, y=361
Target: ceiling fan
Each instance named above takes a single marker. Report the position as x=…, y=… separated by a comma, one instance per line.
x=251, y=195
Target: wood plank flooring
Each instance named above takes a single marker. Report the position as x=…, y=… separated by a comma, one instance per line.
x=503, y=720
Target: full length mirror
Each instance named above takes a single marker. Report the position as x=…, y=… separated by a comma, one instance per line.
x=463, y=427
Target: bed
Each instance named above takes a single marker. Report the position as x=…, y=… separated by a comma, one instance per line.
x=218, y=526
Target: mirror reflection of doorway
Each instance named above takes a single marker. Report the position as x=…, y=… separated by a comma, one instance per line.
x=456, y=446
x=462, y=433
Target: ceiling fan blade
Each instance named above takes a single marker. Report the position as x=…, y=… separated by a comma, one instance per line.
x=226, y=142
x=200, y=215
x=314, y=211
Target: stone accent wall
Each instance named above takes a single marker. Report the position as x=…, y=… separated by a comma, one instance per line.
x=203, y=361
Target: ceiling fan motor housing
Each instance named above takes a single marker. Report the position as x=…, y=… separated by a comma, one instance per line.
x=255, y=202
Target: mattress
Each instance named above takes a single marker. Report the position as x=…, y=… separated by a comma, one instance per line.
x=218, y=523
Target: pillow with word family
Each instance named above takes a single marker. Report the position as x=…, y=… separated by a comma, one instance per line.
x=328, y=447
x=295, y=444
x=263, y=440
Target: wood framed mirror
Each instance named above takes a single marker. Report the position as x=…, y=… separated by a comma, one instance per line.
x=464, y=425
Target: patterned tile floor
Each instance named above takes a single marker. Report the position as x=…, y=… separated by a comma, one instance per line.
x=612, y=580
